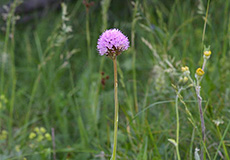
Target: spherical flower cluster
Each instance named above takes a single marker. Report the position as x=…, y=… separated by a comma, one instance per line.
x=112, y=42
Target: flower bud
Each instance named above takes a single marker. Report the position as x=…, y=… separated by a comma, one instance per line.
x=185, y=70
x=185, y=79
x=207, y=54
x=199, y=72
x=32, y=135
x=181, y=79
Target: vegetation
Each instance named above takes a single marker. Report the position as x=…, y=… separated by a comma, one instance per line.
x=56, y=99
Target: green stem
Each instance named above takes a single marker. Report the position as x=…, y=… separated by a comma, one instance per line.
x=178, y=127
x=82, y=130
x=14, y=80
x=205, y=22
x=88, y=37
x=222, y=139
x=191, y=145
x=5, y=50
x=134, y=55
x=223, y=144
x=116, y=109
x=33, y=93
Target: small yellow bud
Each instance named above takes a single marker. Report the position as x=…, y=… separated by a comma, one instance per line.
x=184, y=69
x=42, y=129
x=3, y=135
x=32, y=135
x=185, y=79
x=199, y=72
x=24, y=158
x=40, y=138
x=36, y=129
x=48, y=136
x=207, y=53
x=4, y=132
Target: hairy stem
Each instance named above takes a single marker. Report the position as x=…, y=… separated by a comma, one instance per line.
x=204, y=63
x=199, y=98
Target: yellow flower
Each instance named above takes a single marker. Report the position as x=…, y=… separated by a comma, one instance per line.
x=184, y=69
x=36, y=129
x=3, y=135
x=32, y=135
x=207, y=53
x=42, y=129
x=48, y=136
x=199, y=72
x=40, y=138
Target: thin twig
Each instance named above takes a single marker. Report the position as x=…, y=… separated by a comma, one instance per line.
x=54, y=145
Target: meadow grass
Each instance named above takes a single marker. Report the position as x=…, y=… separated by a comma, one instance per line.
x=51, y=78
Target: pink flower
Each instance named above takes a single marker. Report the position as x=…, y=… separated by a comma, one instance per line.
x=111, y=42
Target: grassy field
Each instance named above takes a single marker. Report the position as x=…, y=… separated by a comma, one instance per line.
x=56, y=88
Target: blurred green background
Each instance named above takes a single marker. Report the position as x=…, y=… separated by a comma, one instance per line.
x=52, y=79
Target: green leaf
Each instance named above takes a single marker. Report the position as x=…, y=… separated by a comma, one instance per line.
x=173, y=142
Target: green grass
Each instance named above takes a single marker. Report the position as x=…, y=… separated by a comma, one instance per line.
x=50, y=81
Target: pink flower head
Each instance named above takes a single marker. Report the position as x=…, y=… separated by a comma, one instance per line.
x=111, y=42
